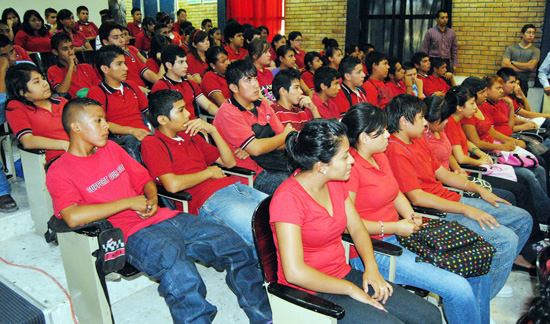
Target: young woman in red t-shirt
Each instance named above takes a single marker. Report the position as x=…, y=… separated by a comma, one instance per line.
x=313, y=61
x=33, y=36
x=332, y=57
x=308, y=214
x=214, y=84
x=196, y=62
x=277, y=41
x=215, y=37
x=286, y=59
x=259, y=54
x=295, y=40
x=158, y=42
x=66, y=24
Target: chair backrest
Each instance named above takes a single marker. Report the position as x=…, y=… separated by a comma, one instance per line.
x=86, y=57
x=543, y=265
x=263, y=241
x=43, y=60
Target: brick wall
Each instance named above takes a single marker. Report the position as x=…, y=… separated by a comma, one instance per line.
x=316, y=20
x=197, y=12
x=486, y=27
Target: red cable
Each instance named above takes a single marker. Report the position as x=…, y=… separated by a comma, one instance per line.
x=51, y=277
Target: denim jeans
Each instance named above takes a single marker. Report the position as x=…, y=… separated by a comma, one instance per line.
x=167, y=251
x=508, y=239
x=402, y=306
x=466, y=300
x=536, y=180
x=233, y=206
x=5, y=188
x=268, y=181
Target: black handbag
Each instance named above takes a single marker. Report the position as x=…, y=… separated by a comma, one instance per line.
x=275, y=160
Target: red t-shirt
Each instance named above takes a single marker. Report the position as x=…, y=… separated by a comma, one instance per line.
x=456, y=135
x=196, y=66
x=189, y=155
x=378, y=93
x=233, y=56
x=108, y=175
x=213, y=82
x=84, y=77
x=327, y=110
x=307, y=77
x=152, y=65
x=295, y=116
x=234, y=123
x=188, y=88
x=38, y=122
x=482, y=126
x=300, y=55
x=32, y=43
x=21, y=54
x=89, y=29
x=342, y=101
x=414, y=167
x=499, y=114
x=396, y=89
x=143, y=42
x=265, y=77
x=176, y=38
x=121, y=108
x=441, y=147
x=136, y=68
x=133, y=28
x=273, y=54
x=432, y=84
x=321, y=233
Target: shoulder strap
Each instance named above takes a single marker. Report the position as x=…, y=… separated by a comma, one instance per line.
x=106, y=97
x=163, y=142
x=348, y=96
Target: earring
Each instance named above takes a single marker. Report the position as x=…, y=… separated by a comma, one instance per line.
x=324, y=171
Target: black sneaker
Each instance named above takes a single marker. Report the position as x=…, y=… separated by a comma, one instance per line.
x=7, y=204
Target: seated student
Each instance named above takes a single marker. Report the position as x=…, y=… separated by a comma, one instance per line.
x=135, y=26
x=143, y=39
x=395, y=81
x=206, y=25
x=328, y=42
x=522, y=109
x=110, y=33
x=376, y=196
x=286, y=59
x=196, y=62
x=50, y=15
x=249, y=35
x=181, y=160
x=422, y=63
x=351, y=91
x=129, y=48
x=88, y=28
x=187, y=32
x=214, y=84
x=327, y=86
x=250, y=125
x=378, y=93
x=308, y=214
x=174, y=59
x=107, y=18
x=295, y=40
x=417, y=84
x=215, y=37
x=174, y=35
x=277, y=41
x=19, y=54
x=66, y=24
x=179, y=25
x=32, y=113
x=68, y=75
x=436, y=83
x=33, y=36
x=332, y=57
x=313, y=61
x=11, y=16
x=258, y=54
x=160, y=242
x=124, y=104
x=233, y=34
x=154, y=62
x=291, y=100
x=421, y=178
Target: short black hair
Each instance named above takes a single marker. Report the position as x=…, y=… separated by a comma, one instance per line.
x=437, y=62
x=238, y=70
x=72, y=110
x=106, y=55
x=330, y=42
x=147, y=21
x=284, y=79
x=104, y=12
x=392, y=62
x=474, y=83
x=160, y=104
x=231, y=30
x=403, y=105
x=282, y=51
x=247, y=26
x=49, y=11
x=159, y=26
x=170, y=54
x=418, y=57
x=527, y=26
x=105, y=30
x=347, y=65
x=505, y=73
x=205, y=21
x=58, y=39
x=80, y=8
x=350, y=48
x=440, y=11
x=458, y=96
x=324, y=75
x=180, y=11
x=212, y=54
x=408, y=66
x=260, y=28
x=293, y=35
x=134, y=10
x=374, y=57
x=437, y=109
x=364, y=118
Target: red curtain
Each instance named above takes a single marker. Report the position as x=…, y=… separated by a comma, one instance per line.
x=257, y=12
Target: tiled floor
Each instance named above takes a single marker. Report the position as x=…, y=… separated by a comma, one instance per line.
x=138, y=301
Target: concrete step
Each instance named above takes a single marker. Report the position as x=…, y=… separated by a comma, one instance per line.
x=19, y=222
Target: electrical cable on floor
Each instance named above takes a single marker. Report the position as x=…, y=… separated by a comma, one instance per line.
x=51, y=277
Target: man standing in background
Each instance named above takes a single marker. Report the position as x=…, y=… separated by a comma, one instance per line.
x=523, y=57
x=441, y=42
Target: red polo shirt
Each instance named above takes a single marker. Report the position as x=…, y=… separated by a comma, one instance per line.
x=196, y=66
x=84, y=77
x=456, y=135
x=32, y=43
x=189, y=155
x=233, y=56
x=378, y=93
x=296, y=117
x=499, y=114
x=136, y=68
x=300, y=55
x=327, y=109
x=188, y=88
x=396, y=89
x=21, y=54
x=152, y=65
x=342, y=101
x=432, y=84
x=213, y=82
x=89, y=29
x=38, y=122
x=121, y=108
x=143, y=42
x=133, y=28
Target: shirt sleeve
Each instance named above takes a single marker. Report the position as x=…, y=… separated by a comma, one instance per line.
x=274, y=121
x=211, y=153
x=62, y=189
x=208, y=84
x=372, y=93
x=98, y=95
x=18, y=119
x=233, y=126
x=354, y=179
x=544, y=72
x=152, y=65
x=279, y=210
x=196, y=88
x=454, y=50
x=55, y=76
x=21, y=39
x=143, y=101
x=159, y=85
x=507, y=53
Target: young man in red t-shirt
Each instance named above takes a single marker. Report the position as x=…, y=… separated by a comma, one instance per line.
x=134, y=27
x=97, y=180
x=251, y=128
x=412, y=75
x=182, y=160
x=422, y=63
x=174, y=59
x=421, y=179
x=234, y=38
x=68, y=75
x=378, y=93
x=88, y=28
x=351, y=90
x=436, y=83
x=327, y=86
x=292, y=106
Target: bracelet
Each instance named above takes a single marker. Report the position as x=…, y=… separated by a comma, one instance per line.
x=382, y=227
x=466, y=184
x=474, y=149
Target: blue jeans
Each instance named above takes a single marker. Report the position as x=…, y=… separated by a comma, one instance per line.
x=402, y=306
x=536, y=179
x=5, y=188
x=508, y=239
x=233, y=206
x=466, y=300
x=268, y=181
x=167, y=251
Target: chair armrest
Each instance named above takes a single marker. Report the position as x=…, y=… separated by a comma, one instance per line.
x=536, y=131
x=238, y=171
x=494, y=154
x=33, y=151
x=379, y=246
x=58, y=225
x=429, y=211
x=306, y=300
x=180, y=195
x=473, y=167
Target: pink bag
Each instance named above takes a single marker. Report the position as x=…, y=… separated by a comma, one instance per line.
x=518, y=157
x=500, y=171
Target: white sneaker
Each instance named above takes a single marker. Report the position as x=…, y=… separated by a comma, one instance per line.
x=505, y=292
x=543, y=228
